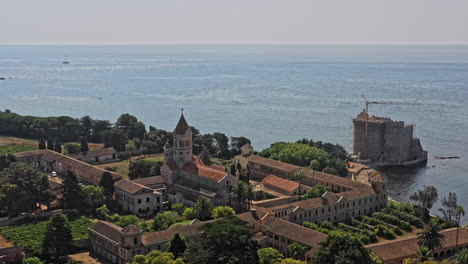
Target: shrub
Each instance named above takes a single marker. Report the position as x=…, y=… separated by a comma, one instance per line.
x=384, y=232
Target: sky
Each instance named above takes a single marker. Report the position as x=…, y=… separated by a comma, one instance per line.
x=101, y=22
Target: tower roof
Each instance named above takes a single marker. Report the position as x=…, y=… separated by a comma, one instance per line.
x=182, y=126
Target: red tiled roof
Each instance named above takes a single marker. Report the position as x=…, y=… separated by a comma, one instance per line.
x=294, y=232
x=147, y=181
x=407, y=247
x=210, y=173
x=166, y=235
x=218, y=167
x=173, y=165
x=281, y=183
x=130, y=186
x=273, y=163
x=309, y=173
x=108, y=230
x=190, y=167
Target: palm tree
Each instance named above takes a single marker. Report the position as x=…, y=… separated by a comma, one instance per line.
x=239, y=193
x=424, y=254
x=430, y=237
x=459, y=212
x=230, y=191
x=461, y=257
x=249, y=195
x=203, y=208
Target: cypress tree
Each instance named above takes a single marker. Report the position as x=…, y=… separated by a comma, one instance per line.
x=58, y=146
x=42, y=144
x=50, y=144
x=84, y=144
x=177, y=245
x=58, y=239
x=107, y=183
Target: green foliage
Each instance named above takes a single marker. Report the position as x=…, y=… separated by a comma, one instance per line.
x=9, y=149
x=449, y=207
x=144, y=168
x=342, y=248
x=125, y=220
x=269, y=256
x=115, y=138
x=163, y=220
x=425, y=199
x=393, y=220
x=93, y=197
x=227, y=240
x=292, y=261
x=297, y=251
x=295, y=153
x=261, y=195
x=23, y=187
x=461, y=257
x=131, y=126
x=72, y=195
x=107, y=183
x=222, y=211
x=316, y=191
x=329, y=170
x=31, y=236
x=33, y=260
x=58, y=146
x=57, y=241
x=84, y=144
x=157, y=257
x=71, y=148
x=430, y=237
x=384, y=232
x=179, y=208
x=203, y=208
x=190, y=213
x=102, y=213
x=176, y=245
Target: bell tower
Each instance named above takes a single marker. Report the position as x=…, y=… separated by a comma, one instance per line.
x=182, y=144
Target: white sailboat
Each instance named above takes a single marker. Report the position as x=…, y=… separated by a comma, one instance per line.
x=65, y=61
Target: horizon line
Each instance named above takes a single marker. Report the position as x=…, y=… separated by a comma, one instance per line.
x=240, y=44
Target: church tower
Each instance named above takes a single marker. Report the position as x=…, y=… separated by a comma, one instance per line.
x=182, y=144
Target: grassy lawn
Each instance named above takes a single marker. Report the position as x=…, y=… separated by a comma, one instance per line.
x=12, y=145
x=122, y=166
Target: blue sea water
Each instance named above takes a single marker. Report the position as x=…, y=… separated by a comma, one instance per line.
x=267, y=93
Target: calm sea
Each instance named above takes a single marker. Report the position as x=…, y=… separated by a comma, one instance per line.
x=267, y=93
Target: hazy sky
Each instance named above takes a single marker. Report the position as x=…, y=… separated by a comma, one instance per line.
x=234, y=21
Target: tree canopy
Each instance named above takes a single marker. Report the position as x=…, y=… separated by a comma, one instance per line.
x=342, y=248
x=58, y=239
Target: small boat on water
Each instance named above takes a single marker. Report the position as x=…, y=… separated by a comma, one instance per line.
x=65, y=61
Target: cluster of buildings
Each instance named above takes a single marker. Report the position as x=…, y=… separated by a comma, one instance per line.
x=275, y=221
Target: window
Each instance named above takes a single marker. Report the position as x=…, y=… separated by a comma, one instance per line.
x=157, y=199
x=135, y=240
x=147, y=199
x=139, y=201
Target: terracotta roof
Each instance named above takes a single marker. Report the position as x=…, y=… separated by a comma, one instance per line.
x=166, y=235
x=281, y=183
x=50, y=156
x=294, y=232
x=93, y=153
x=210, y=173
x=173, y=165
x=407, y=247
x=182, y=126
x=217, y=167
x=190, y=167
x=130, y=186
x=273, y=163
x=148, y=181
x=247, y=146
x=108, y=230
x=333, y=179
x=377, y=177
x=358, y=193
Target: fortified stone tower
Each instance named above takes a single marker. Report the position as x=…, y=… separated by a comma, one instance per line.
x=131, y=237
x=182, y=144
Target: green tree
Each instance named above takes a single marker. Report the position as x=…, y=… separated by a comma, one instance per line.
x=163, y=220
x=58, y=239
x=42, y=144
x=84, y=144
x=459, y=212
x=298, y=175
x=107, y=183
x=292, y=261
x=157, y=257
x=102, y=213
x=430, y=237
x=177, y=245
x=203, y=208
x=115, y=138
x=342, y=248
x=98, y=127
x=124, y=221
x=33, y=260
x=237, y=143
x=329, y=170
x=227, y=240
x=72, y=195
x=316, y=191
x=58, y=146
x=86, y=123
x=71, y=148
x=131, y=126
x=425, y=199
x=189, y=213
x=449, y=205
x=269, y=256
x=222, y=211
x=93, y=197
x=296, y=153
x=461, y=257
x=205, y=156
x=297, y=251
x=144, y=168
x=6, y=160
x=179, y=208
x=50, y=144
